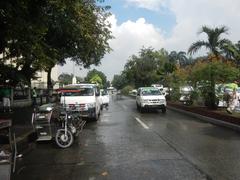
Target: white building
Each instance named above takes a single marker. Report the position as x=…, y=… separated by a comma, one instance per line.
x=41, y=81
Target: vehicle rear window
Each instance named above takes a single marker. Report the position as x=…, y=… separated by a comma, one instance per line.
x=151, y=92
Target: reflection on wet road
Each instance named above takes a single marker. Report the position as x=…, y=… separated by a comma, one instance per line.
x=125, y=144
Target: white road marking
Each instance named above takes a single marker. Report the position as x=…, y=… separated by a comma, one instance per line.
x=105, y=120
x=106, y=115
x=142, y=123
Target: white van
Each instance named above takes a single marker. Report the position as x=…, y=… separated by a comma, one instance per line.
x=150, y=98
x=104, y=98
x=160, y=87
x=84, y=98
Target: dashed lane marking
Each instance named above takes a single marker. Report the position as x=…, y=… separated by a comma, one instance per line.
x=106, y=115
x=142, y=123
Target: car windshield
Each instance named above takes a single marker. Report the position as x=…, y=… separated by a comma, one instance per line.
x=79, y=92
x=151, y=92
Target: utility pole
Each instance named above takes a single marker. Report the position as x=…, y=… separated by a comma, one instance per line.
x=74, y=79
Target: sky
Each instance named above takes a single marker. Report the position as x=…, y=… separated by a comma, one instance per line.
x=169, y=24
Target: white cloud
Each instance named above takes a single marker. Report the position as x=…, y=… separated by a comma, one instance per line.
x=131, y=36
x=146, y=4
x=192, y=15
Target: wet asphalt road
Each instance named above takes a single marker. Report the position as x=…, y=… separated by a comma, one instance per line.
x=125, y=144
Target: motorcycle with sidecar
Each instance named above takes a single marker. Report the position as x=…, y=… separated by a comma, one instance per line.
x=53, y=121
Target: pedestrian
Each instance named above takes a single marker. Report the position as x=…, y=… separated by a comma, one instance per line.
x=233, y=101
x=34, y=97
x=6, y=92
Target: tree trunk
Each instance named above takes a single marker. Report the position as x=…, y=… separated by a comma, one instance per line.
x=49, y=85
x=212, y=94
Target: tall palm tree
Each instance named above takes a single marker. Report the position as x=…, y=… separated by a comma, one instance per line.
x=178, y=58
x=232, y=51
x=215, y=44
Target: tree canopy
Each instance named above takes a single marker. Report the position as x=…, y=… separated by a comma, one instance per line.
x=119, y=81
x=175, y=69
x=222, y=72
x=66, y=78
x=215, y=44
x=37, y=35
x=93, y=73
x=97, y=80
x=147, y=68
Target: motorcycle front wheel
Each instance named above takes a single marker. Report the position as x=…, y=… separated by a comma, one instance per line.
x=64, y=140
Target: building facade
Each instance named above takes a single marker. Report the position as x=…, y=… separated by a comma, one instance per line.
x=41, y=81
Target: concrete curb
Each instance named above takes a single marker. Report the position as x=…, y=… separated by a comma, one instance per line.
x=24, y=136
x=24, y=140
x=207, y=119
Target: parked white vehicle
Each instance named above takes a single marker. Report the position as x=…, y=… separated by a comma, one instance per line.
x=84, y=98
x=161, y=88
x=185, y=95
x=150, y=98
x=133, y=92
x=104, y=98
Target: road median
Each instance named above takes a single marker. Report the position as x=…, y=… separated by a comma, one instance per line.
x=211, y=116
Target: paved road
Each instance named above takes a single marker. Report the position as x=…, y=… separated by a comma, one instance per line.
x=125, y=144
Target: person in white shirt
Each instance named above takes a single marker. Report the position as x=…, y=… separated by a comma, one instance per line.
x=233, y=101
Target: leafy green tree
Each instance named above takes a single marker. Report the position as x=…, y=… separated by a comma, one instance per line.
x=95, y=72
x=97, y=80
x=221, y=72
x=83, y=37
x=215, y=44
x=232, y=51
x=108, y=84
x=147, y=68
x=119, y=81
x=66, y=78
x=178, y=78
x=178, y=58
x=41, y=34
x=21, y=32
x=125, y=90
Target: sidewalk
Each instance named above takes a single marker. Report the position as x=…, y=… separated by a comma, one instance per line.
x=21, y=125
